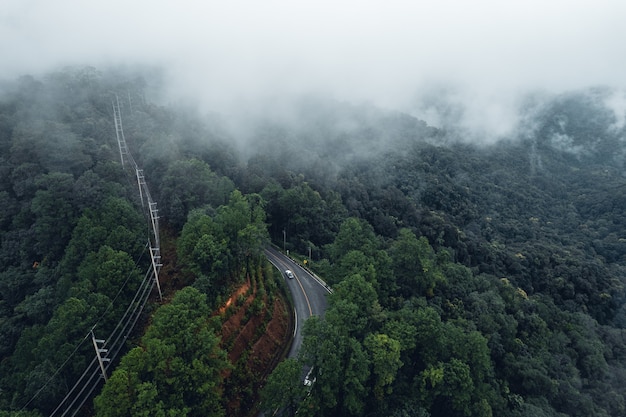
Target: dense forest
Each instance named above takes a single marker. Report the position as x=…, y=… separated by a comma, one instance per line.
x=469, y=279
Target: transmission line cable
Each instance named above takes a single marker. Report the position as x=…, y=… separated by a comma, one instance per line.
x=55, y=372
x=135, y=308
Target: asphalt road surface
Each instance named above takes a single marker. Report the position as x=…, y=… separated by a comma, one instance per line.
x=308, y=293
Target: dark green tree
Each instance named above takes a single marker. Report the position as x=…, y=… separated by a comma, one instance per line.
x=177, y=371
x=415, y=265
x=284, y=388
x=190, y=184
x=384, y=355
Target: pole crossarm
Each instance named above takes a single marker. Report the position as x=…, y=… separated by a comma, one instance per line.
x=99, y=352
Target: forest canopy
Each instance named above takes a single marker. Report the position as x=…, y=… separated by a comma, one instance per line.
x=468, y=279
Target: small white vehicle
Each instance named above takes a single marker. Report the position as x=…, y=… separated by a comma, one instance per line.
x=289, y=274
x=308, y=382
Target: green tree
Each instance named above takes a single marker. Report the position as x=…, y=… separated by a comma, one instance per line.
x=284, y=387
x=341, y=367
x=209, y=256
x=354, y=234
x=55, y=214
x=307, y=216
x=415, y=265
x=353, y=306
x=119, y=394
x=190, y=184
x=179, y=369
x=448, y=388
x=52, y=145
x=242, y=222
x=354, y=262
x=385, y=359
x=198, y=224
x=115, y=223
x=108, y=271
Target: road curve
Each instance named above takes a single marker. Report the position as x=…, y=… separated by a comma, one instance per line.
x=308, y=293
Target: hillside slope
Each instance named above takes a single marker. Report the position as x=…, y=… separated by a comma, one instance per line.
x=469, y=279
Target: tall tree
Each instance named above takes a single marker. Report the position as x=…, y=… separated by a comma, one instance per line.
x=284, y=388
x=415, y=265
x=180, y=365
x=190, y=184
x=354, y=234
x=385, y=359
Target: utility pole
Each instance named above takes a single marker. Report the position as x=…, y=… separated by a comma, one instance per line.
x=99, y=350
x=284, y=239
x=156, y=266
x=141, y=181
x=119, y=130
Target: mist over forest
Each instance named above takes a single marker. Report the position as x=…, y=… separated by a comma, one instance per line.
x=472, y=275
x=453, y=171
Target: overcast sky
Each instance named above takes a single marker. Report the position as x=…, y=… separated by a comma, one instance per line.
x=386, y=52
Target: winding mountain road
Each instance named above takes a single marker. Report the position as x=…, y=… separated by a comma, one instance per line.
x=308, y=293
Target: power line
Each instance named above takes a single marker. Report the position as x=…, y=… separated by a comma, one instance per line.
x=110, y=348
x=145, y=288
x=56, y=372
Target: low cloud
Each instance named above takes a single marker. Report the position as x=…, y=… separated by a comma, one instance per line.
x=616, y=102
x=396, y=54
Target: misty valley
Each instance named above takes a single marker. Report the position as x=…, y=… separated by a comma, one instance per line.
x=470, y=275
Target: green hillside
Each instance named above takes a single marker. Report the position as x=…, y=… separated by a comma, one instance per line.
x=471, y=278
